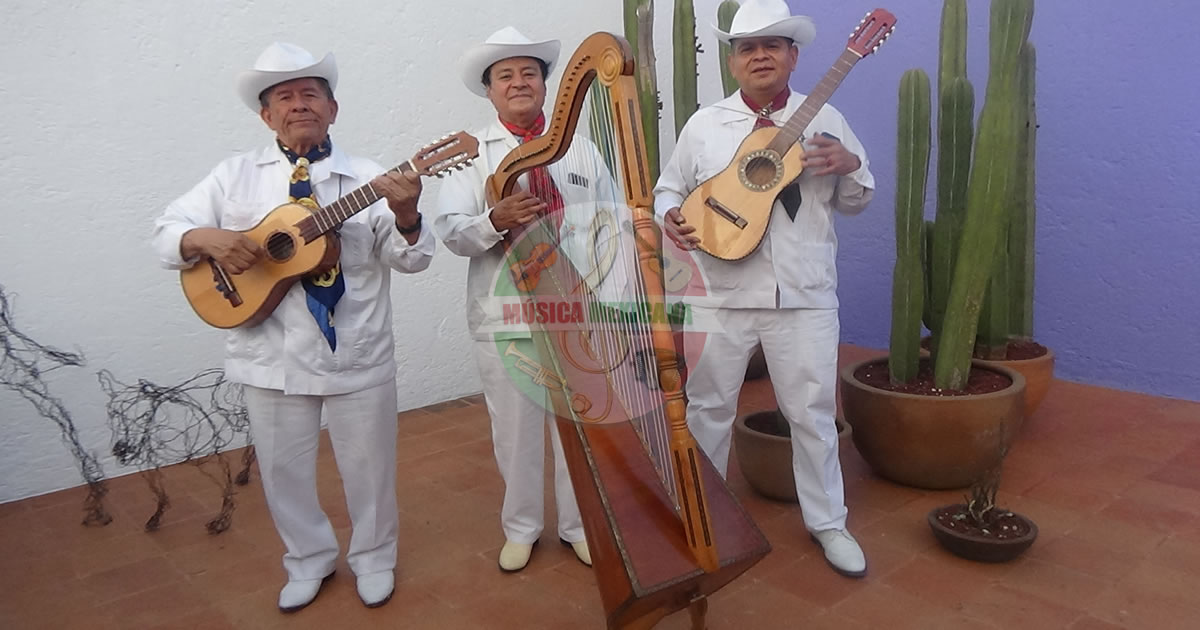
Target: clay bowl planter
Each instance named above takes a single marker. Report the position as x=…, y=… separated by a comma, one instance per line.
x=932, y=442
x=1008, y=538
x=1038, y=372
x=763, y=444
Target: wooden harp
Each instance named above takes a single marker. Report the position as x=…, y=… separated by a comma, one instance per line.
x=663, y=528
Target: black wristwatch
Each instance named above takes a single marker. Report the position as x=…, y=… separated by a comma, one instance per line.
x=416, y=227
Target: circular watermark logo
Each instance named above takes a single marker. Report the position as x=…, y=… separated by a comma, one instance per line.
x=591, y=311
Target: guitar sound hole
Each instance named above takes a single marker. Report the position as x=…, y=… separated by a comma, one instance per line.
x=280, y=246
x=760, y=171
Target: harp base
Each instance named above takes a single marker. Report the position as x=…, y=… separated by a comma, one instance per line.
x=640, y=556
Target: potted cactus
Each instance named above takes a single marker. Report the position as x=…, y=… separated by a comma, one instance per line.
x=942, y=421
x=1005, y=332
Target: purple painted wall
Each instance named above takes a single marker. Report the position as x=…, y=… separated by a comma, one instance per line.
x=1118, y=229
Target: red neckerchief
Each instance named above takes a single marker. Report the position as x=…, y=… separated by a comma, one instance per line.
x=536, y=129
x=764, y=113
x=540, y=183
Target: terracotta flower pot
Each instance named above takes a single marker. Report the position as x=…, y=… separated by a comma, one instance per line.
x=765, y=456
x=975, y=547
x=1038, y=373
x=932, y=442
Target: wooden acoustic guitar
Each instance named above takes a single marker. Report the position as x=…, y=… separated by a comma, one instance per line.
x=731, y=210
x=299, y=242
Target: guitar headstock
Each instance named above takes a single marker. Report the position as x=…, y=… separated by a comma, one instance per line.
x=871, y=32
x=449, y=152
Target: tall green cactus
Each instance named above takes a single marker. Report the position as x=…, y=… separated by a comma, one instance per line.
x=991, y=335
x=629, y=18
x=990, y=185
x=684, y=41
x=952, y=42
x=724, y=20
x=956, y=112
x=912, y=174
x=1021, y=230
x=639, y=31
x=1008, y=305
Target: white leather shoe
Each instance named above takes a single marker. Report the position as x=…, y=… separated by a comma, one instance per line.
x=375, y=589
x=842, y=552
x=581, y=550
x=514, y=556
x=297, y=594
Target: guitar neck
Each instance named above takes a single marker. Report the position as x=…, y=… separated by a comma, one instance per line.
x=794, y=128
x=333, y=215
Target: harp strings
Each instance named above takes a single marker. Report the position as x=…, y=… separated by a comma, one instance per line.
x=598, y=267
x=653, y=426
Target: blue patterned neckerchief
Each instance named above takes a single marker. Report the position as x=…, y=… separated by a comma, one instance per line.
x=324, y=290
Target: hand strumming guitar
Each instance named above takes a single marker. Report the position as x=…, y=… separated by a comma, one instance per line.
x=234, y=251
x=679, y=231
x=830, y=157
x=515, y=210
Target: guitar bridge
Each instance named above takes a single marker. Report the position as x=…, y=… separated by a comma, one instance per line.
x=725, y=213
x=224, y=284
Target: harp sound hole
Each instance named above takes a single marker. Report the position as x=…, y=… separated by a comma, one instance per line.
x=760, y=171
x=280, y=246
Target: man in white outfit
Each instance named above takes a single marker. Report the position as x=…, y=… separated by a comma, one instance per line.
x=510, y=70
x=784, y=295
x=327, y=350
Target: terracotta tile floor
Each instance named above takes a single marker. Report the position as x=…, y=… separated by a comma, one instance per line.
x=1112, y=479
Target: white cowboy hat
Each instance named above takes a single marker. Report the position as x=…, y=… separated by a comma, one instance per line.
x=503, y=44
x=282, y=62
x=768, y=18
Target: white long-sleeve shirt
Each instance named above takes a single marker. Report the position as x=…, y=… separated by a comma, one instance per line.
x=795, y=265
x=287, y=351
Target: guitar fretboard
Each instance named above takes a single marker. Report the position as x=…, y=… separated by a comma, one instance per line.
x=334, y=214
x=799, y=121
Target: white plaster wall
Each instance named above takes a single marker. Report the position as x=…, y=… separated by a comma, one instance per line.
x=109, y=110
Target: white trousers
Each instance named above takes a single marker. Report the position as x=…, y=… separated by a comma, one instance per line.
x=362, y=428
x=519, y=426
x=801, y=347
